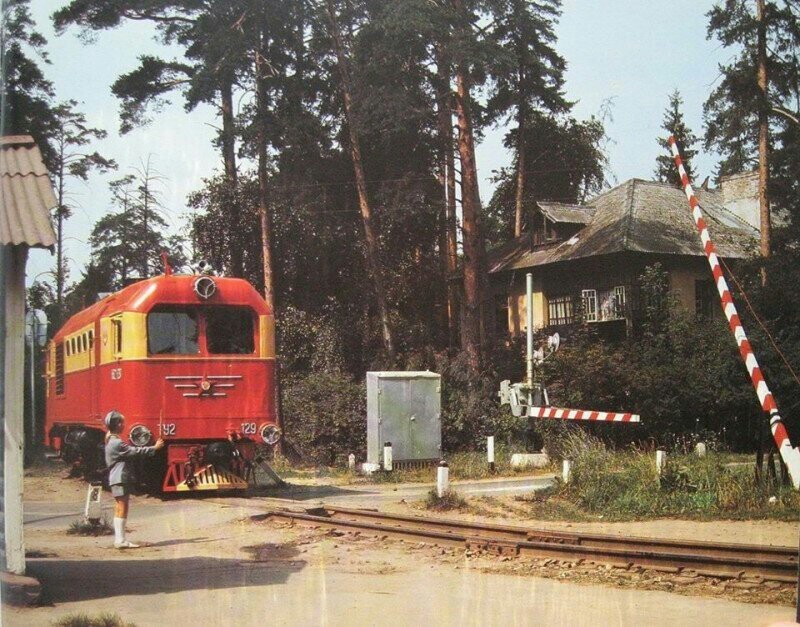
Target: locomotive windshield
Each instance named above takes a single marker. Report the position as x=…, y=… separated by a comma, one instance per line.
x=173, y=331
x=229, y=330
x=176, y=330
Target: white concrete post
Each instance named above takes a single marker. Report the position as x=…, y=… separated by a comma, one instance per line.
x=661, y=460
x=700, y=449
x=490, y=452
x=566, y=470
x=92, y=511
x=13, y=276
x=387, y=456
x=351, y=461
x=442, y=478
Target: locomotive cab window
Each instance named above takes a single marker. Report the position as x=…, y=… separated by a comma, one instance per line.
x=172, y=330
x=229, y=330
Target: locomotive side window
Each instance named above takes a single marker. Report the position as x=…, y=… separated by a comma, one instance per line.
x=172, y=331
x=59, y=368
x=116, y=336
x=229, y=330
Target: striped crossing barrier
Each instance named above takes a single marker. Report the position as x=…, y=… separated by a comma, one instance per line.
x=580, y=414
x=789, y=454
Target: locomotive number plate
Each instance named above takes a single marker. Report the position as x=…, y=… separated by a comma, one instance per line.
x=249, y=428
x=167, y=428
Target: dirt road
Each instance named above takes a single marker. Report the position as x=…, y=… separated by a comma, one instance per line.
x=208, y=563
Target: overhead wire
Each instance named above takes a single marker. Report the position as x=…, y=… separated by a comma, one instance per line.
x=758, y=319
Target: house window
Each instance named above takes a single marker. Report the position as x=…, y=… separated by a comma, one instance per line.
x=559, y=309
x=705, y=296
x=620, y=301
x=589, y=299
x=501, y=315
x=59, y=368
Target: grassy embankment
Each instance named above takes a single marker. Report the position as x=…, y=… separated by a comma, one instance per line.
x=623, y=485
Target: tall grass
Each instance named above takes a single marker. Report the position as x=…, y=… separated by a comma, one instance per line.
x=625, y=485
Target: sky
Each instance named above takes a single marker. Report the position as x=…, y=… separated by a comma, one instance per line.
x=631, y=53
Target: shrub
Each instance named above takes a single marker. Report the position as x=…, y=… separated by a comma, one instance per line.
x=84, y=620
x=325, y=414
x=84, y=527
x=449, y=500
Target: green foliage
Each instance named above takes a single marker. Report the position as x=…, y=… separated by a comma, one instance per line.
x=732, y=108
x=565, y=163
x=325, y=414
x=680, y=373
x=128, y=242
x=106, y=619
x=674, y=124
x=90, y=528
x=470, y=411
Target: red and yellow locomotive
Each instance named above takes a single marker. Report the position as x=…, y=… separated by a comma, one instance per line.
x=187, y=358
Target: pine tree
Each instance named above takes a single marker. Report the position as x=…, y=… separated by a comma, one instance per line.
x=128, y=242
x=70, y=135
x=527, y=77
x=674, y=125
x=26, y=96
x=732, y=109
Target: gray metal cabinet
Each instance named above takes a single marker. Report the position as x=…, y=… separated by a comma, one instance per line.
x=404, y=408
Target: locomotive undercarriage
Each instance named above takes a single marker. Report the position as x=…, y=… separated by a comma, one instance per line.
x=179, y=467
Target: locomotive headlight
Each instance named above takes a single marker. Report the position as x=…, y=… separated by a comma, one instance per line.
x=271, y=434
x=141, y=435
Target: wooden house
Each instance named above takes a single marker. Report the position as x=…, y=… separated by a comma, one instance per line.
x=586, y=260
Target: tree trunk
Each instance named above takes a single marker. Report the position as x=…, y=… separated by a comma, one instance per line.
x=448, y=179
x=263, y=210
x=231, y=176
x=471, y=217
x=519, y=196
x=263, y=184
x=373, y=253
x=763, y=139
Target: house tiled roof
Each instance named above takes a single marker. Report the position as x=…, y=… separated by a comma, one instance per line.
x=571, y=214
x=637, y=216
x=26, y=195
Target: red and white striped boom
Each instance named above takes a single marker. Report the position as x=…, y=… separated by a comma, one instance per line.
x=789, y=454
x=581, y=414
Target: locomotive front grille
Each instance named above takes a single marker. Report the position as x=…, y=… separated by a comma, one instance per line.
x=212, y=478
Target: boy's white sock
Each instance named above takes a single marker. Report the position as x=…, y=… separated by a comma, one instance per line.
x=119, y=530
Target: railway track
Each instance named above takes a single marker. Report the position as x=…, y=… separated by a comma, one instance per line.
x=719, y=560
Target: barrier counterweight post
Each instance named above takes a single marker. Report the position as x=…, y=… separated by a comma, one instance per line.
x=789, y=454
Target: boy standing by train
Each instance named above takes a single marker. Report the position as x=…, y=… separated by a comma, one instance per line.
x=119, y=476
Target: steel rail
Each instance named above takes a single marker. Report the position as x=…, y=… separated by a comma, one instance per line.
x=702, y=558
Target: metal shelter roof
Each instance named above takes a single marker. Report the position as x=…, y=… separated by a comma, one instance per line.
x=26, y=195
x=636, y=216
